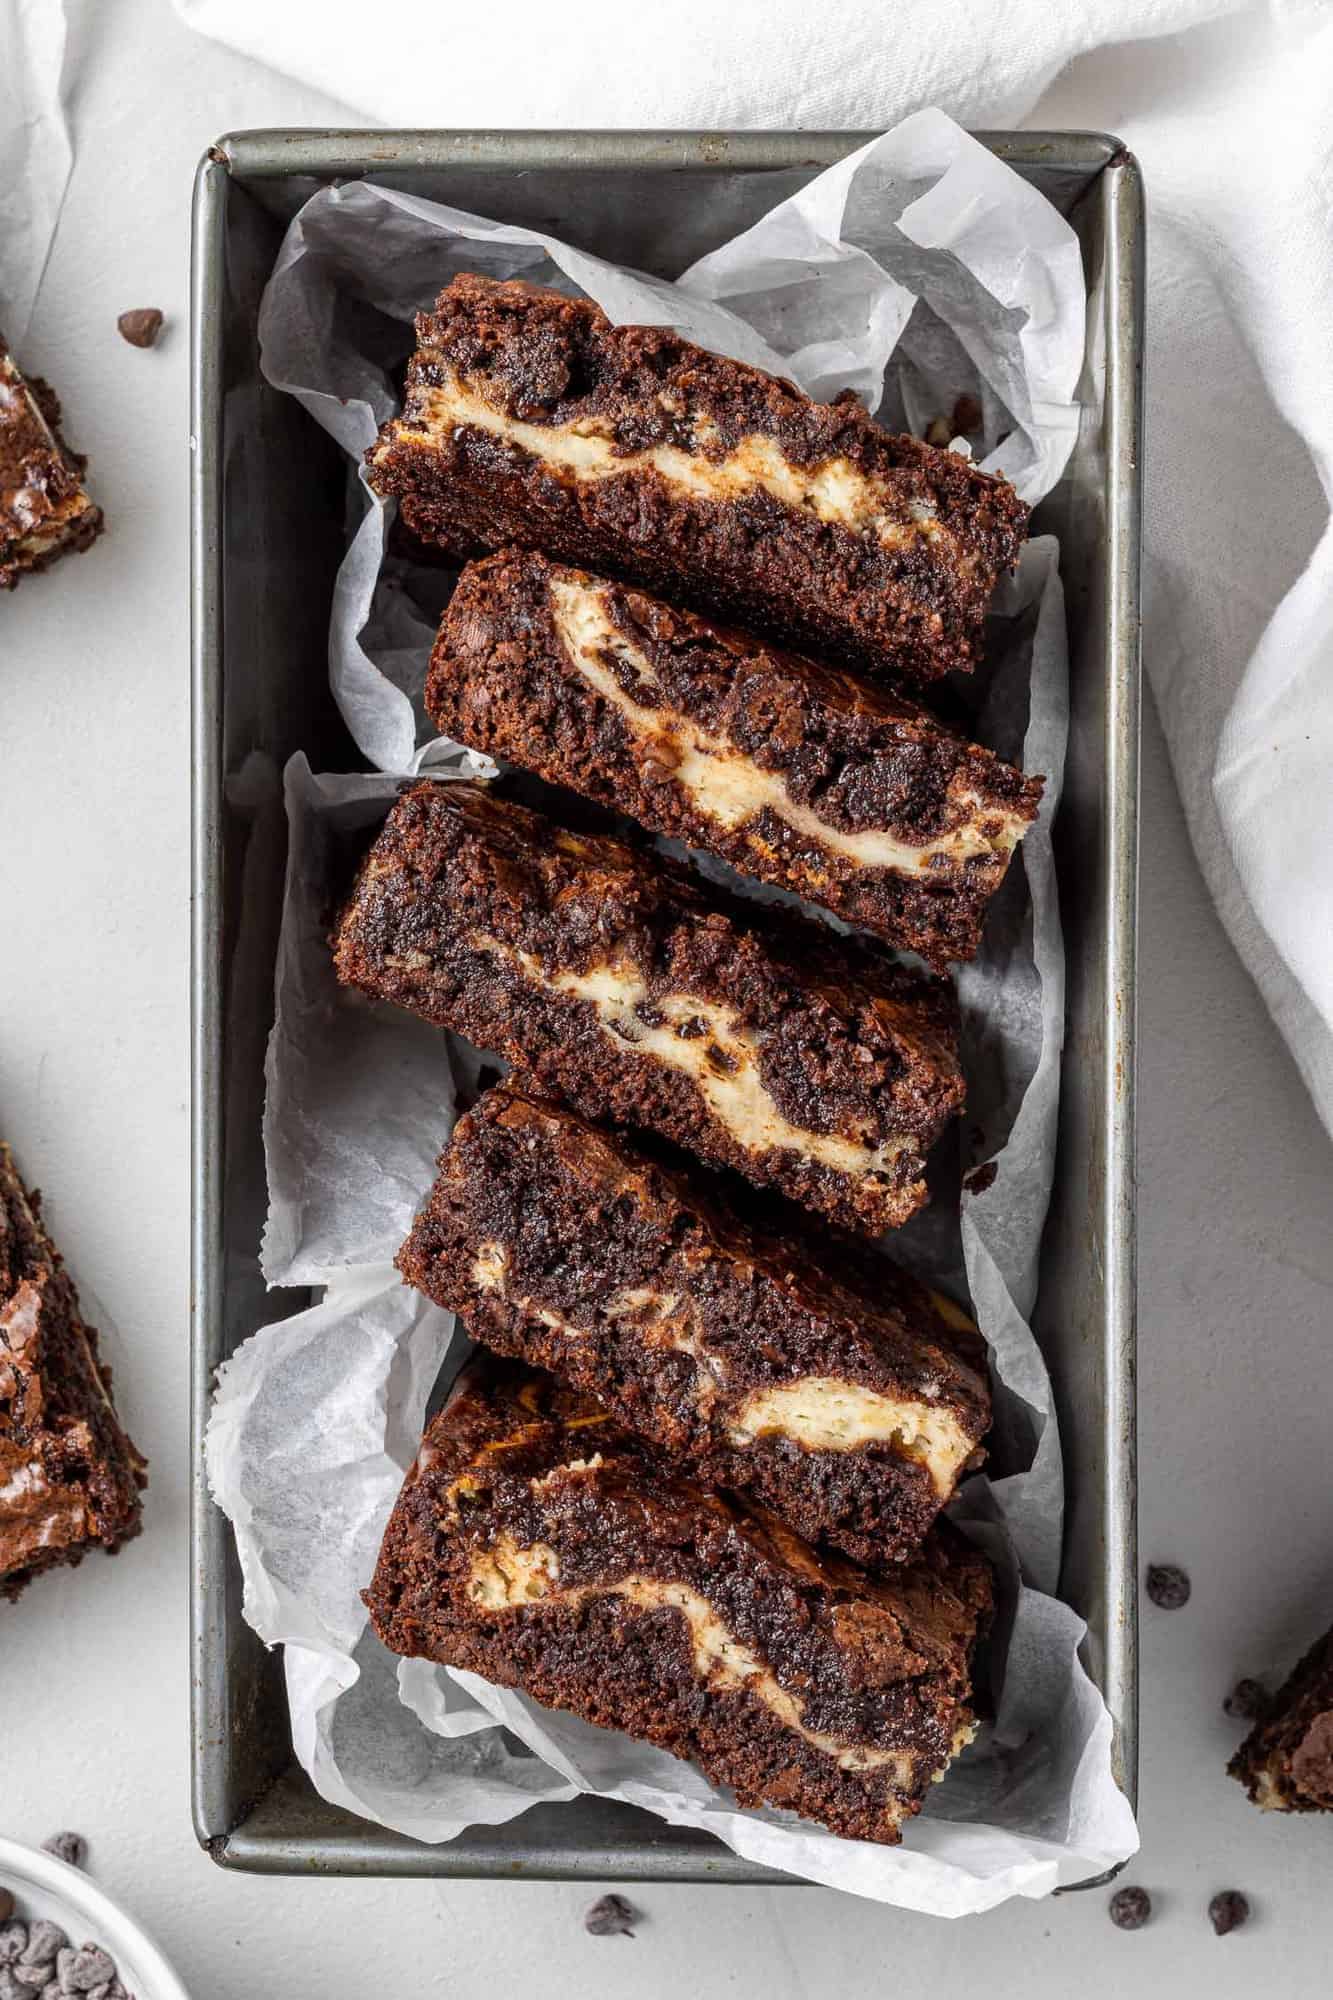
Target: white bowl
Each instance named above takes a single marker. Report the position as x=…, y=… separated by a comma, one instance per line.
x=44, y=1887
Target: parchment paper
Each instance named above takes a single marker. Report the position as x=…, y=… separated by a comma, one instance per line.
x=936, y=272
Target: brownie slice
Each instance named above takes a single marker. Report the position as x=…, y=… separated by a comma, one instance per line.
x=69, y=1477
x=538, y=1545
x=529, y=418
x=1286, y=1761
x=788, y=769
x=44, y=510
x=635, y=993
x=726, y=1344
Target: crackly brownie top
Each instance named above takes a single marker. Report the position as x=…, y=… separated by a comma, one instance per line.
x=545, y=358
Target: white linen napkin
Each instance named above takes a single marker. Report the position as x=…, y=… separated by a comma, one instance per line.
x=1229, y=107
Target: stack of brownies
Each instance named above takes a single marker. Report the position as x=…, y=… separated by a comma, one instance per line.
x=694, y=1488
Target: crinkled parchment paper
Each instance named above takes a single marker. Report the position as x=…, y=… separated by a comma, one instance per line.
x=918, y=269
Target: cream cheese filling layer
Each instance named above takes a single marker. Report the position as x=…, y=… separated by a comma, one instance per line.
x=825, y=1413
x=732, y=788
x=834, y=491
x=506, y=1576
x=736, y=1096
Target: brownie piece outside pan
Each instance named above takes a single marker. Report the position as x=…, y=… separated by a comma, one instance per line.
x=1286, y=1761
x=70, y=1479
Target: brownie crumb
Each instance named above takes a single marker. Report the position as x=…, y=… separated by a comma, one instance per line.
x=140, y=327
x=1168, y=1586
x=1247, y=1701
x=1228, y=1911
x=68, y=1847
x=1130, y=1909
x=611, y=1916
x=966, y=418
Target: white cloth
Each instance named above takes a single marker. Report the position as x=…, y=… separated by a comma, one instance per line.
x=1229, y=107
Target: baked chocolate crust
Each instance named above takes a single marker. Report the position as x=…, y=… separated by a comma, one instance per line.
x=1286, y=1761
x=44, y=511
x=530, y=419
x=729, y=1347
x=70, y=1478
x=635, y=993
x=788, y=769
x=537, y=1544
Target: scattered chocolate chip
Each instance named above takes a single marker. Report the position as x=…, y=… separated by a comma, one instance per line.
x=1168, y=1586
x=140, y=327
x=938, y=432
x=1228, y=1911
x=1247, y=1701
x=1130, y=1909
x=70, y=1847
x=981, y=1178
x=611, y=1916
x=966, y=418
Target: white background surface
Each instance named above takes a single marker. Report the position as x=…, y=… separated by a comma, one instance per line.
x=1236, y=1268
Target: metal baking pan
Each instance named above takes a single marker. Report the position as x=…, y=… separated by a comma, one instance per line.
x=267, y=535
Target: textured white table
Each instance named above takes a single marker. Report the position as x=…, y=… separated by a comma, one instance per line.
x=1237, y=1262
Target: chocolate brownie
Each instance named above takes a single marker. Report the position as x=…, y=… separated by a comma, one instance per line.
x=744, y=1354
x=1286, y=1761
x=530, y=419
x=44, y=511
x=633, y=992
x=537, y=1544
x=69, y=1477
x=788, y=769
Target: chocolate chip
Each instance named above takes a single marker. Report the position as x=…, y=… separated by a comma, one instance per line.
x=70, y=1847
x=1168, y=1586
x=6, y=1906
x=1228, y=1911
x=966, y=416
x=44, y=1941
x=140, y=327
x=1247, y=1701
x=13, y=1939
x=981, y=1178
x=611, y=1916
x=81, y=1970
x=1130, y=1909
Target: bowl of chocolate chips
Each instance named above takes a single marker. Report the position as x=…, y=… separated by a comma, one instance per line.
x=62, y=1936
